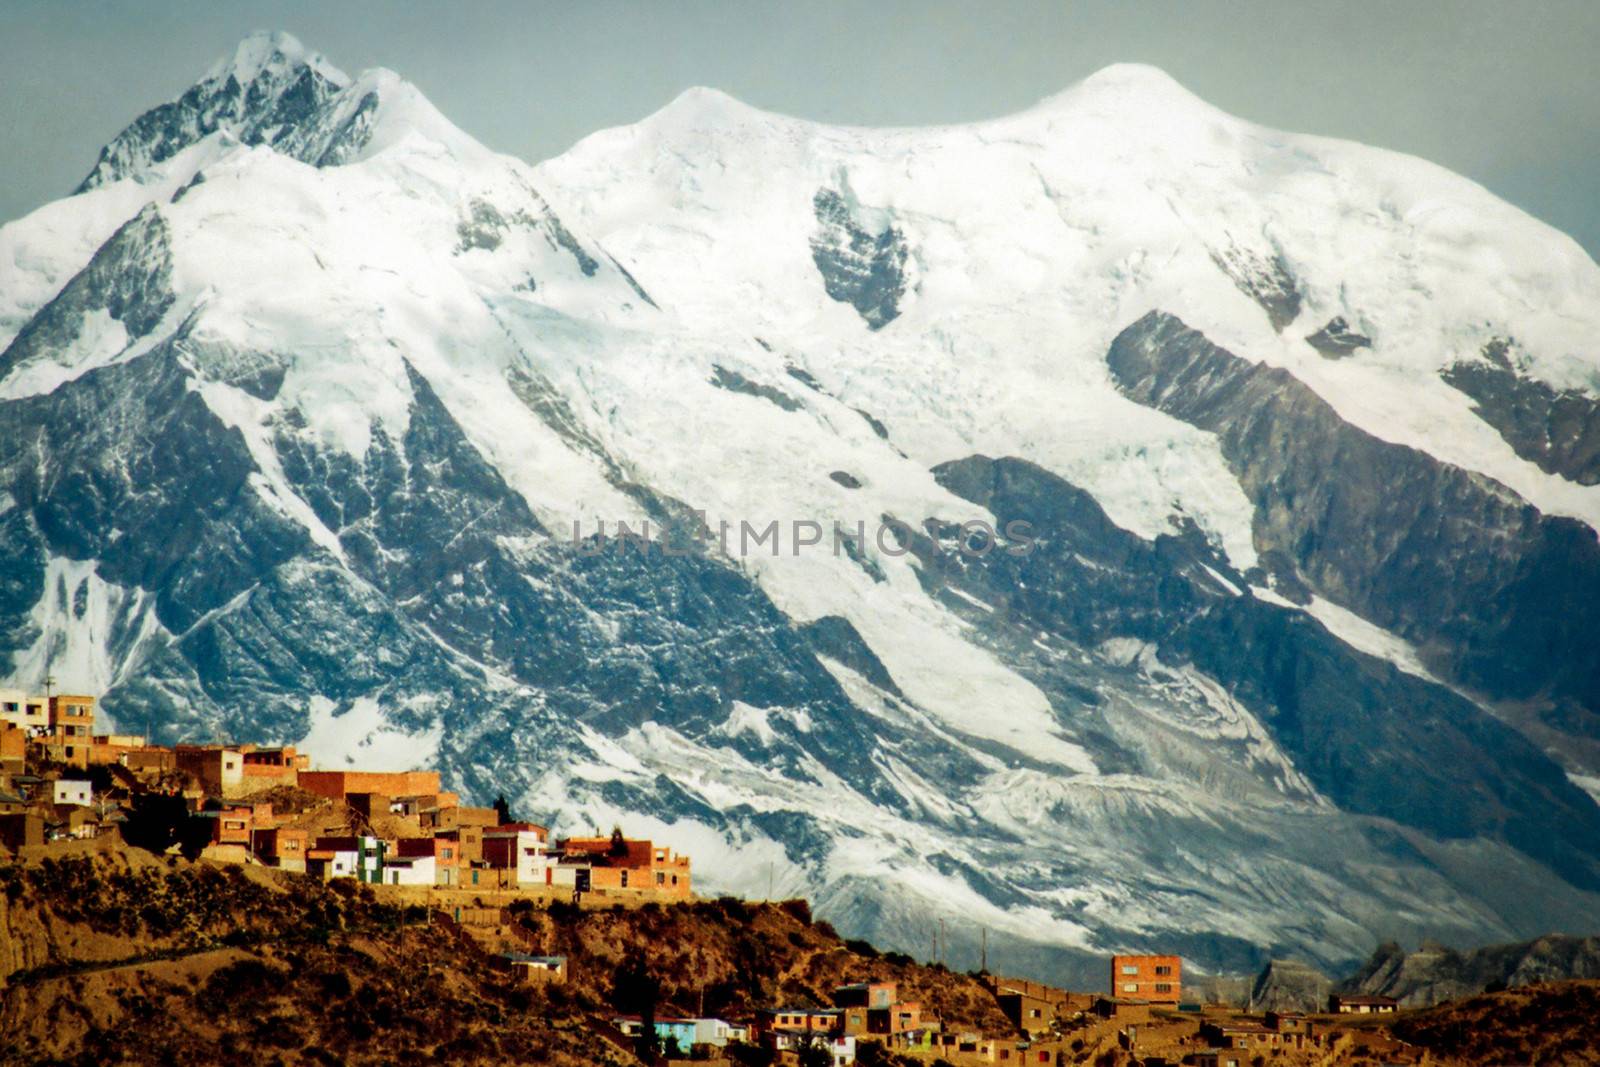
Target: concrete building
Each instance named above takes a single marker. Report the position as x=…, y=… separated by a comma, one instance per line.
x=1157, y=979
x=1239, y=1035
x=107, y=749
x=218, y=768
x=631, y=864
x=13, y=748
x=522, y=847
x=1295, y=1029
x=441, y=850
x=360, y=858
x=281, y=846
x=28, y=713
x=538, y=970
x=71, y=791
x=271, y=766
x=71, y=727
x=336, y=785
x=410, y=870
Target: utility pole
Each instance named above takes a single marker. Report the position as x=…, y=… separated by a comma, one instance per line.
x=944, y=943
x=983, y=965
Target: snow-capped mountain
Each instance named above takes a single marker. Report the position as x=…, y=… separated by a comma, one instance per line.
x=312, y=407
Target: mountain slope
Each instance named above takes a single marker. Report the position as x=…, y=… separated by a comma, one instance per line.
x=315, y=410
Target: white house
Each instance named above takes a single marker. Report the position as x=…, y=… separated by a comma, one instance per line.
x=360, y=858
x=31, y=713
x=410, y=870
x=711, y=1032
x=72, y=791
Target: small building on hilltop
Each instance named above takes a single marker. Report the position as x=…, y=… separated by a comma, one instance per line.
x=1361, y=1004
x=538, y=970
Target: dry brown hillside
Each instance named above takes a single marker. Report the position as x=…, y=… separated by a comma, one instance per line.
x=1553, y=1023
x=114, y=955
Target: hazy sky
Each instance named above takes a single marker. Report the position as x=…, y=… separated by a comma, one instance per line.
x=1502, y=91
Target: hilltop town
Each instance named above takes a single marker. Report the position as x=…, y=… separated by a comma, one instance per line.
x=597, y=941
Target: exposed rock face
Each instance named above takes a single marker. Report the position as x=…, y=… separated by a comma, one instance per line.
x=1495, y=594
x=271, y=91
x=1337, y=339
x=1558, y=430
x=129, y=279
x=1264, y=278
x=735, y=382
x=1435, y=973
x=1329, y=708
x=860, y=267
x=1290, y=985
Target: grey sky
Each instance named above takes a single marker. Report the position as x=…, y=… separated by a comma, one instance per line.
x=1504, y=92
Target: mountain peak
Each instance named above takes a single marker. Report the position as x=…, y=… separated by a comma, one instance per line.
x=1128, y=86
x=274, y=91
x=272, y=52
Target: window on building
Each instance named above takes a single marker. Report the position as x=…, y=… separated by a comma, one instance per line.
x=624, y=879
x=449, y=853
x=1163, y=987
x=1128, y=968
x=661, y=878
x=1130, y=987
x=1163, y=969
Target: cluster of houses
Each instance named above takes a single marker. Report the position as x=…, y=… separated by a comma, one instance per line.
x=401, y=828
x=860, y=1009
x=1144, y=1018
x=381, y=827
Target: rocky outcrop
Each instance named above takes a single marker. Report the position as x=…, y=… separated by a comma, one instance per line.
x=271, y=89
x=1435, y=973
x=860, y=266
x=1495, y=594
x=1443, y=765
x=1558, y=430
x=129, y=279
x=1336, y=339
x=1290, y=985
x=1264, y=278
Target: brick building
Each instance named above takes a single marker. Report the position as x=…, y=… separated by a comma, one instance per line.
x=336, y=785
x=71, y=728
x=1157, y=979
x=628, y=864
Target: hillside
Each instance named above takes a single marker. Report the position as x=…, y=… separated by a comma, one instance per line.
x=1555, y=1023
x=111, y=955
